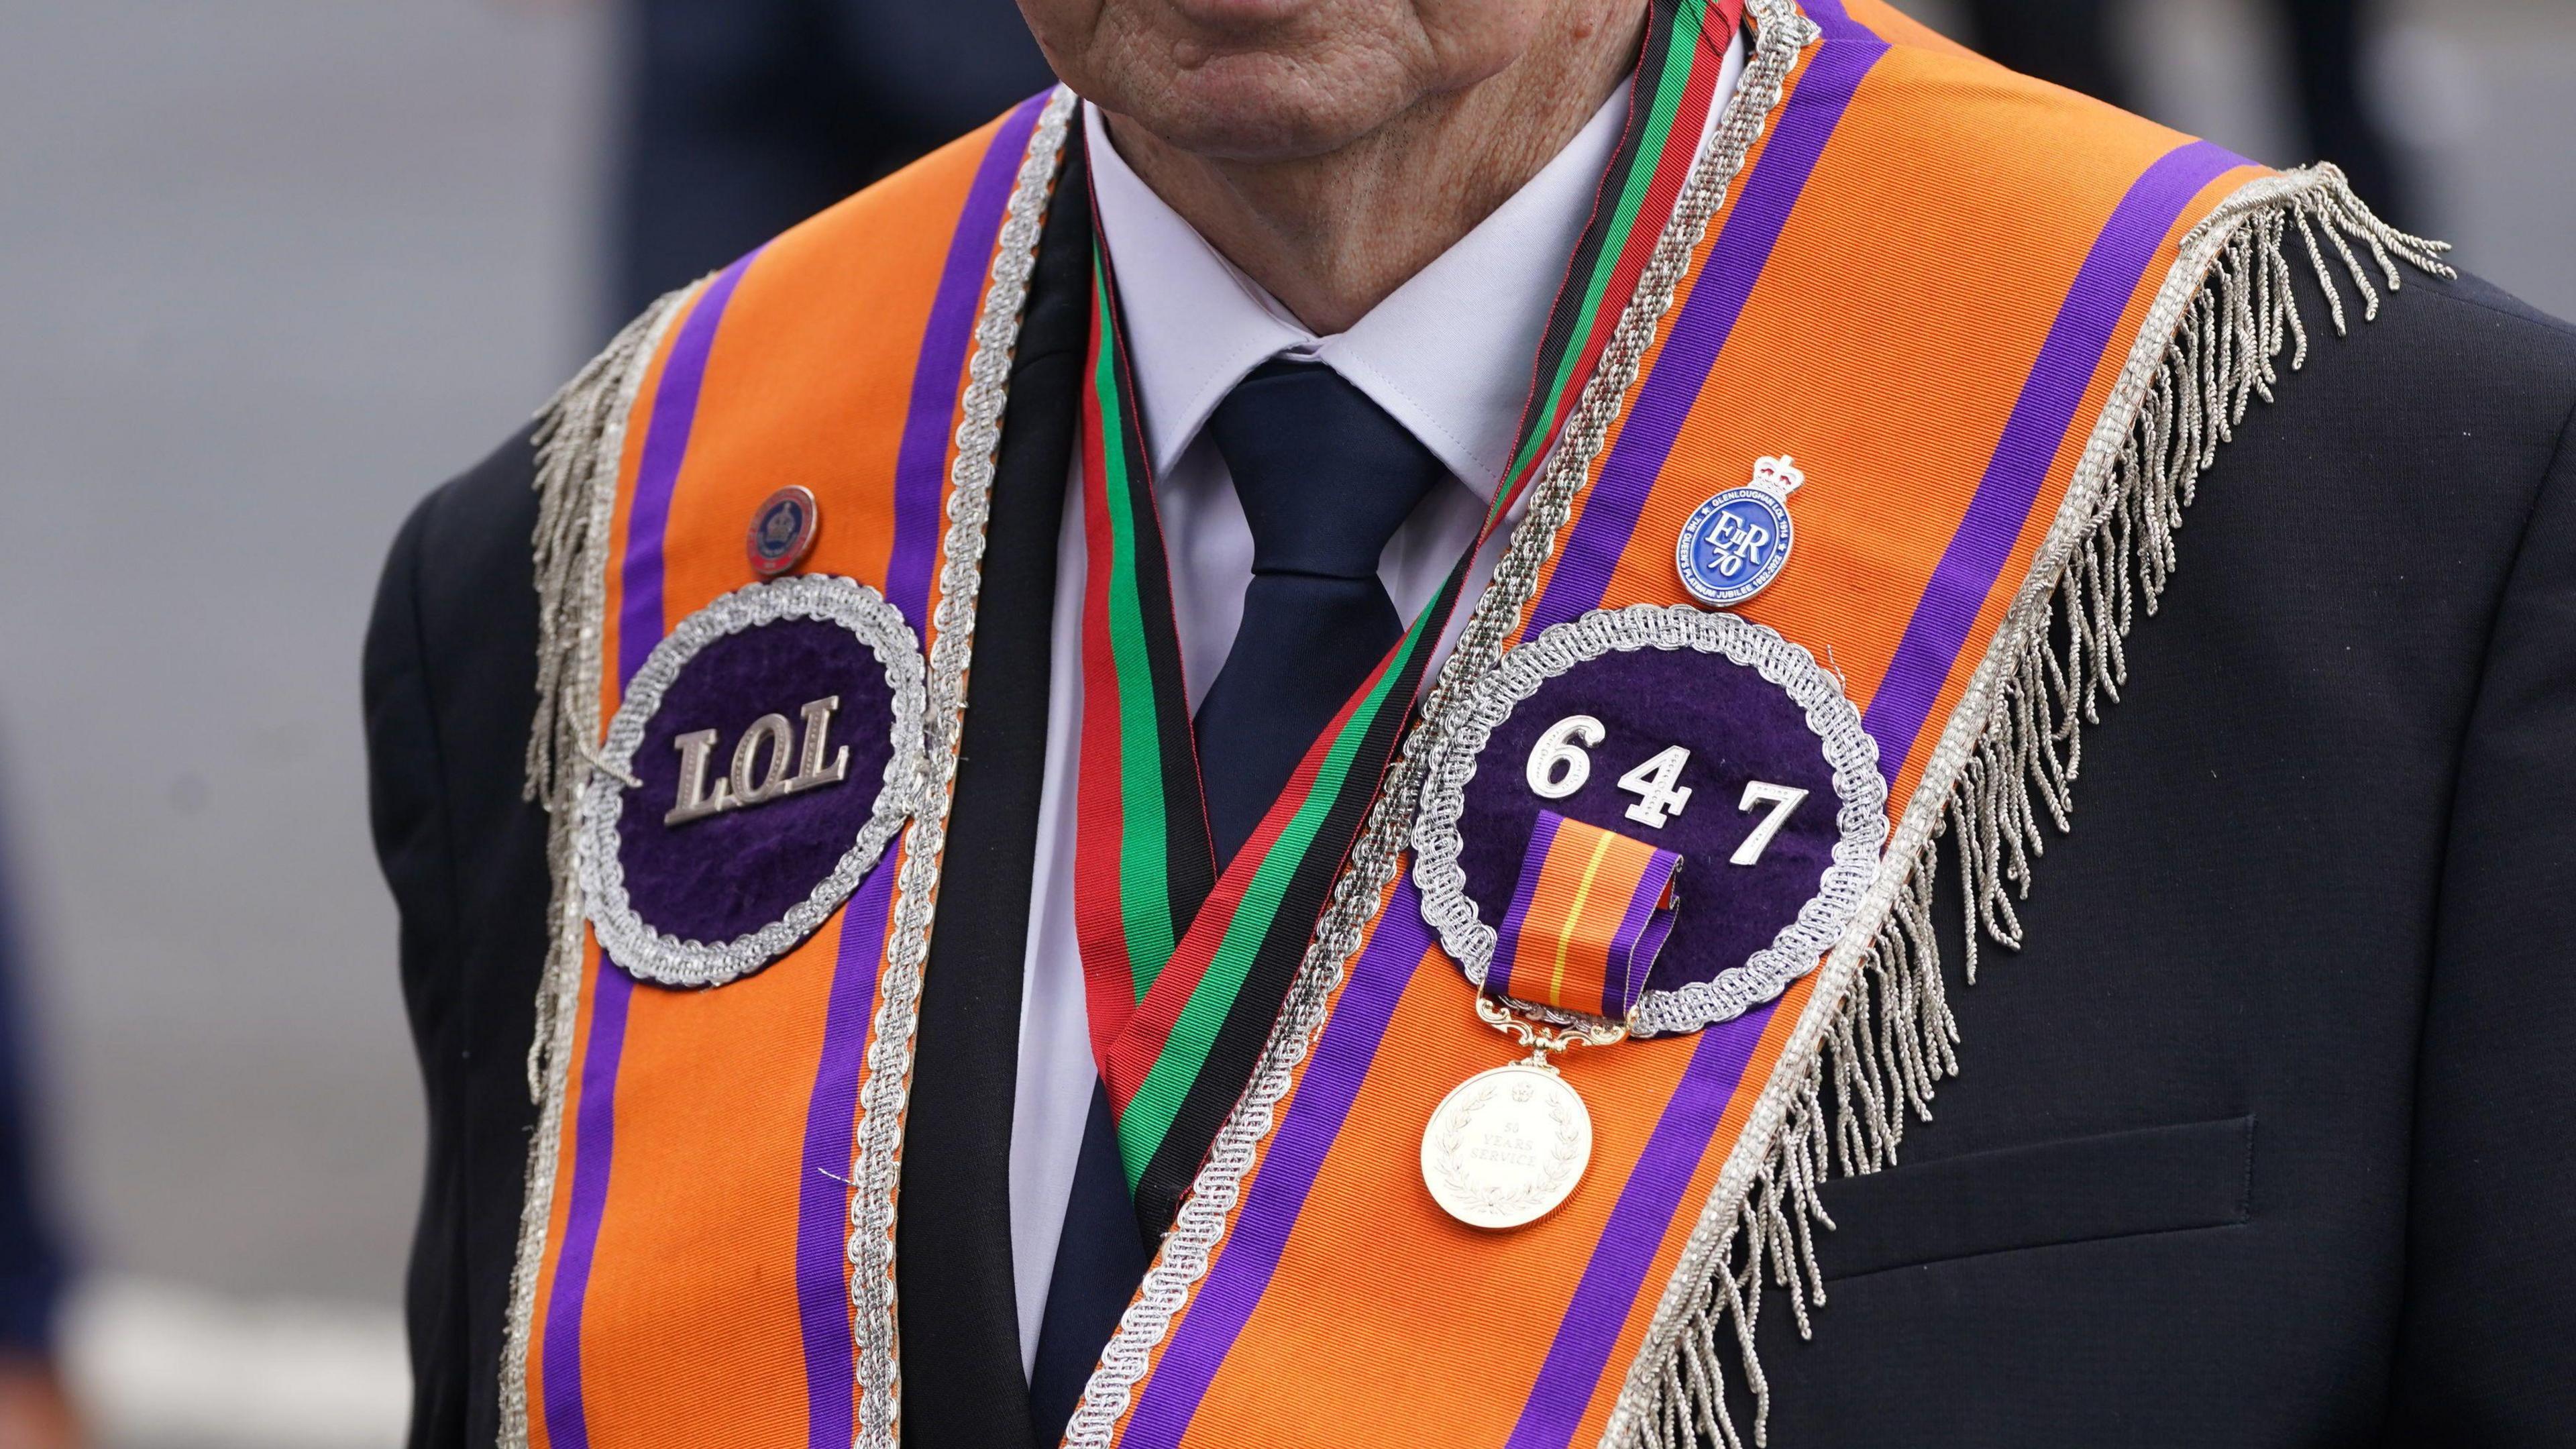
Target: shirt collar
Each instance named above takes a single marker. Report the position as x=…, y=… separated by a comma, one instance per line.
x=1448, y=354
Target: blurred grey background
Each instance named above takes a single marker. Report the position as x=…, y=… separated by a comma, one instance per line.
x=269, y=269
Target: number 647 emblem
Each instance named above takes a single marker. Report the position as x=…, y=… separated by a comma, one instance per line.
x=1558, y=766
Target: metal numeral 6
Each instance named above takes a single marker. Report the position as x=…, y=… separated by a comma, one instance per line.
x=1557, y=766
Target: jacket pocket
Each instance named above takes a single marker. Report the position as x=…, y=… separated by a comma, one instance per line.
x=2074, y=1190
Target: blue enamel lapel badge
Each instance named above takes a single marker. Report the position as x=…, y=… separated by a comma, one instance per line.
x=1736, y=543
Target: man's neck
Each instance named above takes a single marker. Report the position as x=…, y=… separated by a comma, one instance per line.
x=1330, y=236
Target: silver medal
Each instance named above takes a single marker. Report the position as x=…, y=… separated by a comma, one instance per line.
x=1507, y=1147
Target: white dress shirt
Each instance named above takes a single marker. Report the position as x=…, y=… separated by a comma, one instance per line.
x=1448, y=354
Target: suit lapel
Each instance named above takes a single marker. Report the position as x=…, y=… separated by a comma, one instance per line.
x=957, y=1309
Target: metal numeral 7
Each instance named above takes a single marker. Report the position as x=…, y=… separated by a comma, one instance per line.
x=1782, y=799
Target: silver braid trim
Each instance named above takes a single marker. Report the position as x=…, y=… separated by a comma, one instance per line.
x=1860, y=797
x=643, y=950
x=580, y=441
x=877, y=1159
x=1877, y=1033
x=1781, y=33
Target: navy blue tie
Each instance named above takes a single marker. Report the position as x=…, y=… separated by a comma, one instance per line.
x=1098, y=1263
x=1326, y=478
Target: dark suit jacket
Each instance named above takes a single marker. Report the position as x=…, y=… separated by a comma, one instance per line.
x=2265, y=1139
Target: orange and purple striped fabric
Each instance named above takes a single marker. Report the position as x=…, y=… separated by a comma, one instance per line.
x=1924, y=285
x=695, y=1283
x=1591, y=909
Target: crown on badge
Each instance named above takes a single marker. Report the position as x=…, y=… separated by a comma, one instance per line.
x=1778, y=477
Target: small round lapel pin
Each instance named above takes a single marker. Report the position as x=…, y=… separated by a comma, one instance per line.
x=782, y=531
x=1736, y=543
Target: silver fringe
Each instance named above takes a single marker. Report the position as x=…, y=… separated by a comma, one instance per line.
x=580, y=439
x=1878, y=1035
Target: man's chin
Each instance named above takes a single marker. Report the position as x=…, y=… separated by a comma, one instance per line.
x=1255, y=107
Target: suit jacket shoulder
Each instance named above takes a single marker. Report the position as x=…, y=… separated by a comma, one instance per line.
x=450, y=675
x=2254, y=1139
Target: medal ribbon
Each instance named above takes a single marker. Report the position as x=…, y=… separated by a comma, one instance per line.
x=1590, y=911
x=1184, y=970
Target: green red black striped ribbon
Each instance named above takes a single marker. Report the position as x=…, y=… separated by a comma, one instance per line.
x=1185, y=970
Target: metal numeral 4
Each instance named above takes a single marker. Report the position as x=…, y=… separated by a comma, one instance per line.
x=1658, y=788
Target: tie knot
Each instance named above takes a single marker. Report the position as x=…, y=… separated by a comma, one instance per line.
x=1326, y=477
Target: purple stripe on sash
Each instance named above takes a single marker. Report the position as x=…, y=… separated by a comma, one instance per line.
x=1836, y=22
x=1642, y=929
x=921, y=460
x=2130, y=242
x=595, y=1133
x=1498, y=975
x=639, y=628
x=1638, y=1222
x=1168, y=1399
x=823, y=1191
x=822, y=1196
x=675, y=410
x=1610, y=510
x=1650, y=944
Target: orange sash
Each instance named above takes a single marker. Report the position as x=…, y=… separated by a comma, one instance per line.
x=1998, y=327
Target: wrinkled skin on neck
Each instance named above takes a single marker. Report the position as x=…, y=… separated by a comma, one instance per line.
x=1333, y=148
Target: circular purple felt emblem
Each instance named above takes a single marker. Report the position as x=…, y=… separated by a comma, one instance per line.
x=1699, y=733
x=758, y=764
